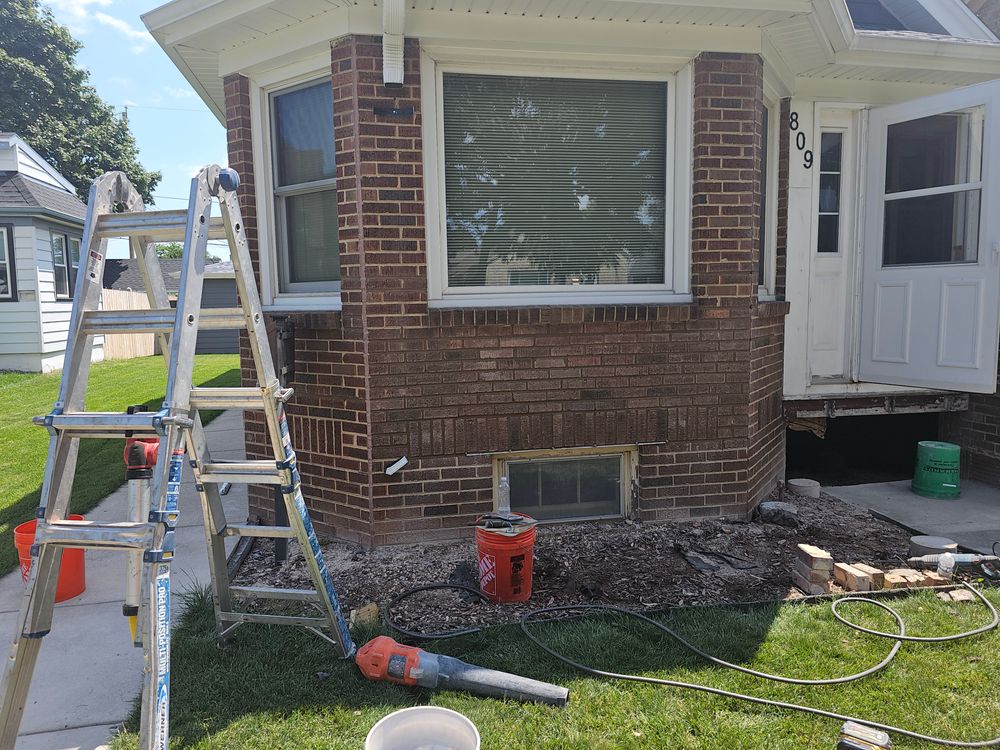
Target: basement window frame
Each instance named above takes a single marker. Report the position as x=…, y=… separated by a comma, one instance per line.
x=627, y=454
x=675, y=75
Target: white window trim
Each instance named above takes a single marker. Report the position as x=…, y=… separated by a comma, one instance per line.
x=677, y=246
x=766, y=291
x=7, y=258
x=311, y=69
x=629, y=458
x=68, y=266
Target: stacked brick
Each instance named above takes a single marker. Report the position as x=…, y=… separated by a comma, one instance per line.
x=813, y=569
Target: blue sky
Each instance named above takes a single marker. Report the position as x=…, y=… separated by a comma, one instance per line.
x=176, y=133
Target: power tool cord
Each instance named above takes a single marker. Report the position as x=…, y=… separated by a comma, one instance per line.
x=899, y=637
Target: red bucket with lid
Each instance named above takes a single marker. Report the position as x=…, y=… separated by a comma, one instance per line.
x=505, y=560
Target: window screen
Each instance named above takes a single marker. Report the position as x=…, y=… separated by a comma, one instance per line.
x=554, y=181
x=559, y=488
x=305, y=188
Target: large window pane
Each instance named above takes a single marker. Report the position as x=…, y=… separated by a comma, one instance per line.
x=934, y=151
x=554, y=181
x=941, y=228
x=762, y=226
x=311, y=237
x=303, y=135
x=561, y=488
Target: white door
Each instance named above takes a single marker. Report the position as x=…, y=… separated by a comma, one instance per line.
x=930, y=312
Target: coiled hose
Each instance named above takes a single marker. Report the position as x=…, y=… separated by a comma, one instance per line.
x=899, y=637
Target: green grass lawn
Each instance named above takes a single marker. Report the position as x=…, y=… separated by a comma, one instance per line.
x=114, y=385
x=281, y=688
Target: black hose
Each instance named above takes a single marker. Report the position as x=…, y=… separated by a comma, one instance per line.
x=441, y=635
x=899, y=637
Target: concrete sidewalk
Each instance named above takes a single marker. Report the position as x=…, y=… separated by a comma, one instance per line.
x=88, y=674
x=972, y=520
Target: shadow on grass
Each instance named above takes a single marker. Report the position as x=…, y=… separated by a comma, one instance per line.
x=100, y=471
x=276, y=674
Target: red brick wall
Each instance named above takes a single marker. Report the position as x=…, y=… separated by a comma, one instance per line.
x=692, y=384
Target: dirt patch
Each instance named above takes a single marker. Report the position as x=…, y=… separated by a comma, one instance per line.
x=613, y=562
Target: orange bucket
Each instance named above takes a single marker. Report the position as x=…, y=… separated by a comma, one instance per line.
x=505, y=560
x=72, y=576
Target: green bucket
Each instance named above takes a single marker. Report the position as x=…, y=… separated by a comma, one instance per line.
x=937, y=472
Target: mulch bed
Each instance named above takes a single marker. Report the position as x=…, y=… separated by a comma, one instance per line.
x=634, y=565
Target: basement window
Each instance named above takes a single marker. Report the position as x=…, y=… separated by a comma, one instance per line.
x=553, y=487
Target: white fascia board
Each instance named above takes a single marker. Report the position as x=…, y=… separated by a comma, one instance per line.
x=621, y=40
x=923, y=52
x=177, y=21
x=864, y=92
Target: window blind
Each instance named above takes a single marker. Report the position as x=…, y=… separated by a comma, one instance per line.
x=554, y=181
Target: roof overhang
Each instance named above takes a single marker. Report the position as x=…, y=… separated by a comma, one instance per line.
x=34, y=212
x=209, y=39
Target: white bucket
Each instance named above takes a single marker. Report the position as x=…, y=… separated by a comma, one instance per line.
x=423, y=728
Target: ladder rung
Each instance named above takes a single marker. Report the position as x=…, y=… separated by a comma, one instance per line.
x=104, y=322
x=233, y=398
x=161, y=226
x=123, y=535
x=267, y=592
x=239, y=472
x=257, y=530
x=306, y=622
x=100, y=424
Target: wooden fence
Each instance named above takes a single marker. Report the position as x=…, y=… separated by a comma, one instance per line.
x=126, y=346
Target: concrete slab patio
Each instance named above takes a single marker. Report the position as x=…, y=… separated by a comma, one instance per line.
x=972, y=520
x=88, y=673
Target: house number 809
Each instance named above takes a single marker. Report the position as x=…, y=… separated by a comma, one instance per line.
x=800, y=140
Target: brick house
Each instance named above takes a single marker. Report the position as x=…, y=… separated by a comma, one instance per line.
x=606, y=249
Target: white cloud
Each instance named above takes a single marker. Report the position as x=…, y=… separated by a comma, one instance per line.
x=140, y=37
x=176, y=92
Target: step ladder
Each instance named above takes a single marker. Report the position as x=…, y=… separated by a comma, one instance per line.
x=148, y=535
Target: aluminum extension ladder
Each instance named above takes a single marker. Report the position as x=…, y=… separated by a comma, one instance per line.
x=149, y=534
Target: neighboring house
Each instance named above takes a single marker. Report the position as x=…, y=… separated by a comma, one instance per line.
x=41, y=224
x=605, y=248
x=218, y=290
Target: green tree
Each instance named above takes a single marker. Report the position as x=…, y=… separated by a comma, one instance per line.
x=47, y=100
x=176, y=250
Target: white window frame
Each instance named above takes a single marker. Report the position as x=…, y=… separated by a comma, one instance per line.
x=71, y=271
x=678, y=138
x=766, y=291
x=312, y=69
x=629, y=462
x=7, y=258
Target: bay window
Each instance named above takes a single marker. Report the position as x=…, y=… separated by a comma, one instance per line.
x=305, y=194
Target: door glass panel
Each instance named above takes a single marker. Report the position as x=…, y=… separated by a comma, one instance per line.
x=942, y=228
x=934, y=151
x=828, y=237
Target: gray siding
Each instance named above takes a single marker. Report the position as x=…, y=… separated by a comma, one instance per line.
x=218, y=293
